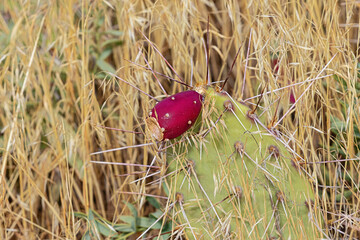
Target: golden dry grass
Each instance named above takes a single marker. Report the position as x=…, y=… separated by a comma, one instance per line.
x=54, y=94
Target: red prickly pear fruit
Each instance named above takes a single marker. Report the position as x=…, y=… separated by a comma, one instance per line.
x=275, y=65
x=292, y=97
x=174, y=115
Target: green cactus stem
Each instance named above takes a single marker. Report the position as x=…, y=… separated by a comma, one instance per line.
x=239, y=181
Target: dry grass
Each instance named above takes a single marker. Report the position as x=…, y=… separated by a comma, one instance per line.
x=54, y=93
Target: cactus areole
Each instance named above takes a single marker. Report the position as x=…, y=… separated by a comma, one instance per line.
x=174, y=115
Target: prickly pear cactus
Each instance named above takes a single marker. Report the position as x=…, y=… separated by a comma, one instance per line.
x=239, y=182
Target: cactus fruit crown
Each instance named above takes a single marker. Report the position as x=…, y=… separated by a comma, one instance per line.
x=237, y=182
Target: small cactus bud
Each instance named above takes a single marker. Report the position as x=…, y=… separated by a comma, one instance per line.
x=274, y=150
x=228, y=105
x=309, y=204
x=238, y=191
x=239, y=147
x=280, y=196
x=179, y=197
x=251, y=115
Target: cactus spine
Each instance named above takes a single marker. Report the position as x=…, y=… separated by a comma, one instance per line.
x=239, y=182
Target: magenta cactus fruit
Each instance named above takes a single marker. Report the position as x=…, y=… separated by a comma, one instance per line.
x=174, y=115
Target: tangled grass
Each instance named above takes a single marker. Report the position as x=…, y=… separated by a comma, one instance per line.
x=55, y=95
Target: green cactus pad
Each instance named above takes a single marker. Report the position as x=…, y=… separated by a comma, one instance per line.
x=239, y=182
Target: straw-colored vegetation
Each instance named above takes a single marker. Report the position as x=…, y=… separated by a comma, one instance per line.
x=56, y=95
